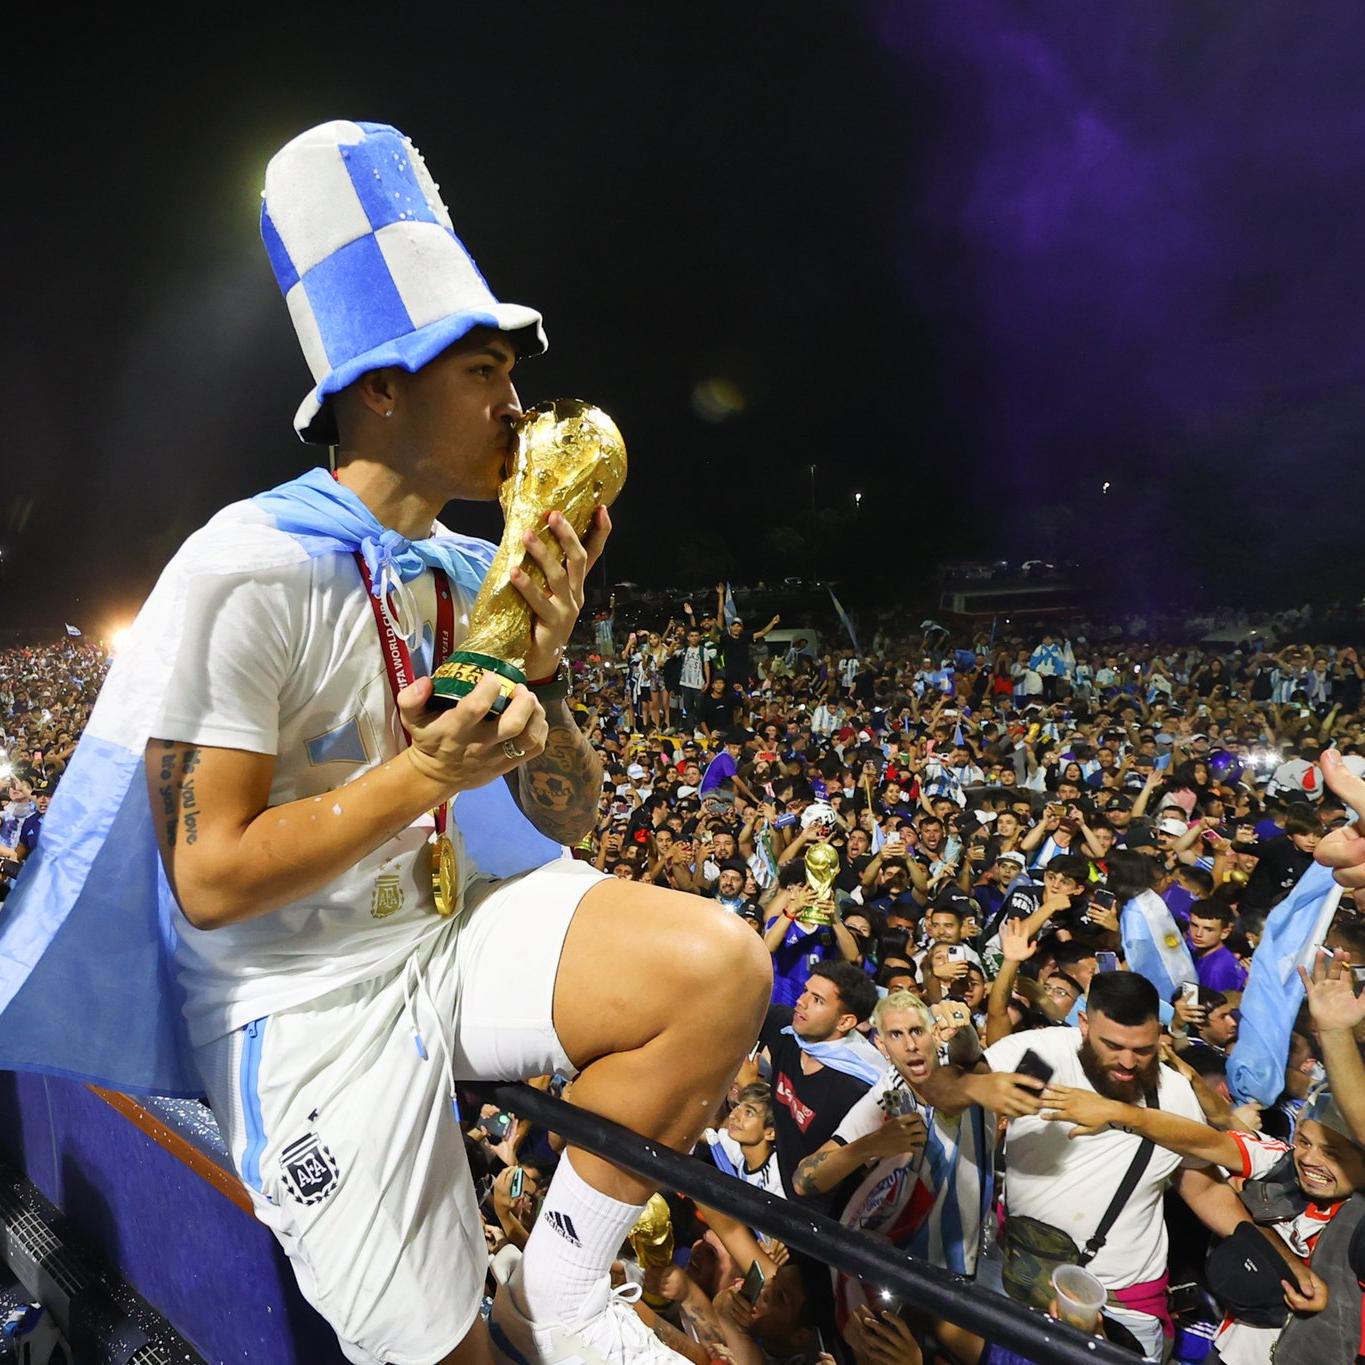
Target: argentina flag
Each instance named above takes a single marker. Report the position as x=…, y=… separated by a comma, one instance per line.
x=1154, y=945
x=1273, y=994
x=728, y=606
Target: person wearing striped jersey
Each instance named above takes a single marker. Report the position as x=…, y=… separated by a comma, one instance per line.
x=926, y=1182
x=747, y=1148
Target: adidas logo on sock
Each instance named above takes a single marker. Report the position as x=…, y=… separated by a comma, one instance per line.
x=563, y=1224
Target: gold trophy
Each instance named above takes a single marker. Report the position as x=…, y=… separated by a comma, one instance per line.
x=822, y=867
x=567, y=456
x=652, y=1241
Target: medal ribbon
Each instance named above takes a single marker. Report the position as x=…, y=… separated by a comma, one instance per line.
x=397, y=656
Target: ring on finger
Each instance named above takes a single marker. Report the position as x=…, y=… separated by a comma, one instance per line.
x=511, y=749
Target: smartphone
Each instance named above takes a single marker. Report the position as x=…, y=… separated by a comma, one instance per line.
x=518, y=1182
x=957, y=952
x=1108, y=962
x=497, y=1126
x=1031, y=1064
x=1105, y=899
x=886, y=1303
x=753, y=1284
x=1189, y=992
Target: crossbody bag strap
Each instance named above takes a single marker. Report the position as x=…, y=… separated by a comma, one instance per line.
x=1121, y=1196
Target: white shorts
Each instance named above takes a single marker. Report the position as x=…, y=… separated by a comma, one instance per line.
x=338, y=1115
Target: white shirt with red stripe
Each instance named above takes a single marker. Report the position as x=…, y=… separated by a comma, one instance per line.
x=1238, y=1343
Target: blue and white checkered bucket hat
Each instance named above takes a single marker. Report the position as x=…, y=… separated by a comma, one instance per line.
x=368, y=262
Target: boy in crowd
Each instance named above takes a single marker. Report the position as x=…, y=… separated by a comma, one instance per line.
x=1210, y=923
x=748, y=1146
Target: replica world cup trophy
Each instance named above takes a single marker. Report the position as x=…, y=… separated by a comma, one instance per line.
x=652, y=1241
x=822, y=867
x=568, y=456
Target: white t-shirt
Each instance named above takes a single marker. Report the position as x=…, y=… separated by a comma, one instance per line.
x=280, y=655
x=1069, y=1182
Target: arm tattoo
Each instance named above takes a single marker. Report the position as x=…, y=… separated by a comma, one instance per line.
x=175, y=786
x=675, y=1340
x=708, y=1330
x=804, y=1178
x=559, y=790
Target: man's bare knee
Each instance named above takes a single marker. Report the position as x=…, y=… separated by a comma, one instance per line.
x=733, y=967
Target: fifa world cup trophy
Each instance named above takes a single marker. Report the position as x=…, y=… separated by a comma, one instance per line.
x=567, y=455
x=822, y=867
x=652, y=1240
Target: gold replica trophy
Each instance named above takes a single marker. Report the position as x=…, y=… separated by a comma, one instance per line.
x=822, y=867
x=652, y=1241
x=568, y=456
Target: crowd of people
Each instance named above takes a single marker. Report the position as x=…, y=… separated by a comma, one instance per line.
x=46, y=695
x=1006, y=1008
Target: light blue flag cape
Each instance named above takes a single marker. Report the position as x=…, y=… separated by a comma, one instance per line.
x=853, y=1055
x=1273, y=993
x=1154, y=945
x=87, y=988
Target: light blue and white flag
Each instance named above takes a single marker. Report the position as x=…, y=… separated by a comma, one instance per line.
x=1273, y=993
x=845, y=621
x=852, y=1055
x=71, y=630
x=1154, y=946
x=728, y=606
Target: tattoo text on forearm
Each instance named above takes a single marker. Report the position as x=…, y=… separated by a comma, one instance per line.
x=179, y=804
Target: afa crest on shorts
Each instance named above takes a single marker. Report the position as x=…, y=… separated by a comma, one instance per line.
x=388, y=895
x=310, y=1170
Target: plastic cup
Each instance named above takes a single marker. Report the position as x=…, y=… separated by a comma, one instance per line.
x=1080, y=1296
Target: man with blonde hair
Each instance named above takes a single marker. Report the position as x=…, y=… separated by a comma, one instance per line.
x=927, y=1175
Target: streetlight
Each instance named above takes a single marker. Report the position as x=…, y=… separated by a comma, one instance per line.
x=812, y=488
x=857, y=503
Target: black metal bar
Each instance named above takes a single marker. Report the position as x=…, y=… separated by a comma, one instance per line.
x=928, y=1287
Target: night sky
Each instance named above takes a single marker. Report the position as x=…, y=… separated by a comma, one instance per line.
x=970, y=259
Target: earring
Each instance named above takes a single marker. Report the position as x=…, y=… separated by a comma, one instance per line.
x=389, y=413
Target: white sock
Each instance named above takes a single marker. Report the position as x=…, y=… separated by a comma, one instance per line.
x=575, y=1239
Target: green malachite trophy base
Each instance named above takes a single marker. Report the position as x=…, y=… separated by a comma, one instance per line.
x=458, y=675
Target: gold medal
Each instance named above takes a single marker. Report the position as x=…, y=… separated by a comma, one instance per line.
x=444, y=875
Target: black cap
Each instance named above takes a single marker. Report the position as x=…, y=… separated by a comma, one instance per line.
x=1244, y=1274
